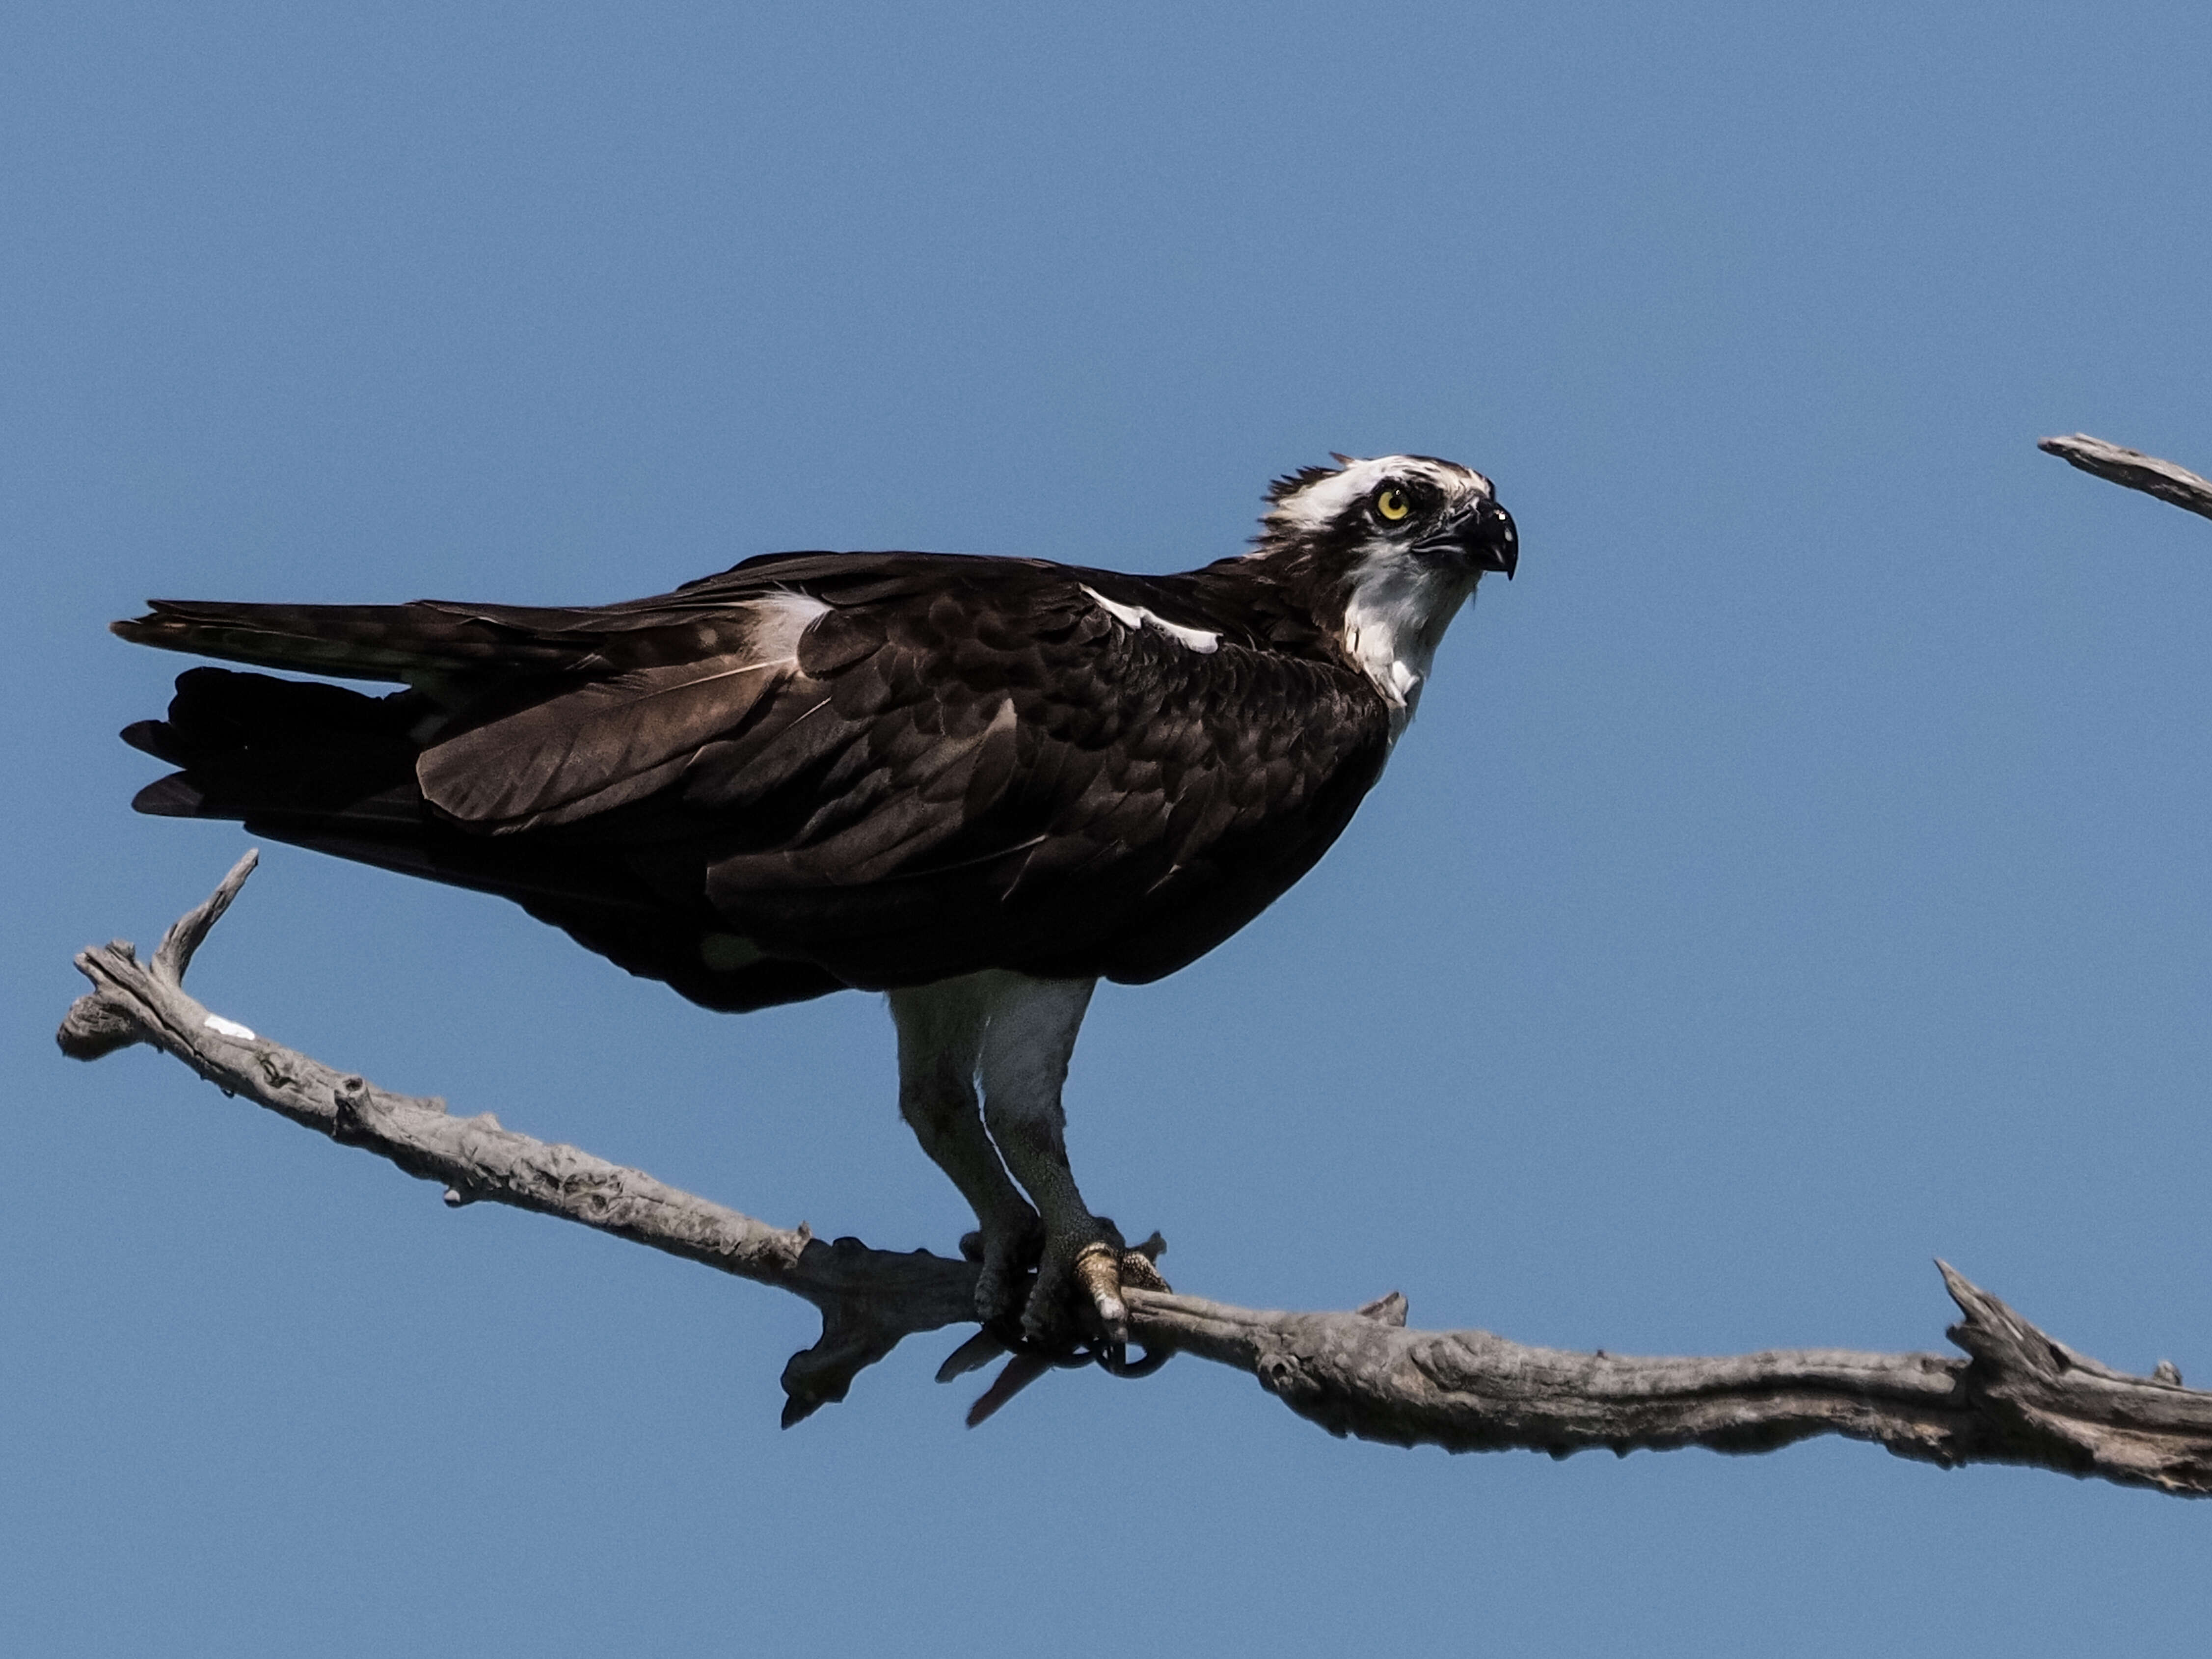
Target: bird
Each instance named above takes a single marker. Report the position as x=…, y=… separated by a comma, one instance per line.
x=977, y=784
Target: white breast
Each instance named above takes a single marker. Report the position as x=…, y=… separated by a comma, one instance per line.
x=1393, y=623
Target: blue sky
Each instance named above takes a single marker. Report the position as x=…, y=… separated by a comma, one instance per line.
x=1798, y=873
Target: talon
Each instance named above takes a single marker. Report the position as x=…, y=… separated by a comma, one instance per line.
x=977, y=1352
x=1007, y=1254
x=1077, y=1291
x=994, y=1294
x=1139, y=1267
x=1041, y=1316
x=1098, y=1272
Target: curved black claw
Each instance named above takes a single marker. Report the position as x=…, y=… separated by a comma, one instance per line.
x=1116, y=1361
x=977, y=1352
x=1031, y=1359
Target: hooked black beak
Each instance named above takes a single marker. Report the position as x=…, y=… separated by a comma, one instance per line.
x=1487, y=539
x=1492, y=539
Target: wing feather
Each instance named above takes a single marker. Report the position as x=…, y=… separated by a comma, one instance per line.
x=604, y=744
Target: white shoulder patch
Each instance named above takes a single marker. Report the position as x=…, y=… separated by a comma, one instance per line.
x=1134, y=617
x=778, y=621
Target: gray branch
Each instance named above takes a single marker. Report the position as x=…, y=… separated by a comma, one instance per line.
x=2019, y=1396
x=2134, y=470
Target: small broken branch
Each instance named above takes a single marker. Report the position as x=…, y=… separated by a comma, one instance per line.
x=2133, y=469
x=2019, y=1396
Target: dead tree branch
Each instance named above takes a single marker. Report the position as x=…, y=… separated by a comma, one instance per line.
x=870, y=1300
x=2019, y=1396
x=2134, y=470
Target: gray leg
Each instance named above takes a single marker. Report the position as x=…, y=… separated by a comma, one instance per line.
x=941, y=1032
x=1029, y=1034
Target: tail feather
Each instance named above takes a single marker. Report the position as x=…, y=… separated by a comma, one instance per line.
x=174, y=797
x=391, y=643
x=333, y=770
x=250, y=744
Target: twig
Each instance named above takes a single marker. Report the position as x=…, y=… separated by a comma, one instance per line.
x=2134, y=470
x=2019, y=1397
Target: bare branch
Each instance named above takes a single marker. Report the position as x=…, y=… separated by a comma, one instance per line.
x=173, y=957
x=2134, y=470
x=869, y=1299
x=2019, y=1396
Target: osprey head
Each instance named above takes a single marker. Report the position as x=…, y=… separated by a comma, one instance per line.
x=1390, y=548
x=1412, y=511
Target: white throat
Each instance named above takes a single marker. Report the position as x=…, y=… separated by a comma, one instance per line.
x=1393, y=623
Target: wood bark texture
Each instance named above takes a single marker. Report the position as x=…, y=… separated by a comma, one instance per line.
x=2134, y=470
x=2018, y=1396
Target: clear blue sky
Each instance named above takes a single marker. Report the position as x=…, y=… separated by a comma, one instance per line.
x=1798, y=873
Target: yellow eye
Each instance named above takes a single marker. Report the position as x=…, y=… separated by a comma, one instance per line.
x=1392, y=505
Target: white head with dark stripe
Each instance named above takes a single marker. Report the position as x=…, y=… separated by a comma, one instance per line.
x=1399, y=542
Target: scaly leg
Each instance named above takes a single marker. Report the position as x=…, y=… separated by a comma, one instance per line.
x=941, y=1032
x=1029, y=1034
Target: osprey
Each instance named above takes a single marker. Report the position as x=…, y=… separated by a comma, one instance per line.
x=978, y=784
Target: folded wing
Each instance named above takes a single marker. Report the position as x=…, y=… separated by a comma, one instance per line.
x=814, y=770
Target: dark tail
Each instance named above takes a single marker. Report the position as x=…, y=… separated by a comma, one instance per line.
x=403, y=643
x=333, y=770
x=250, y=746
